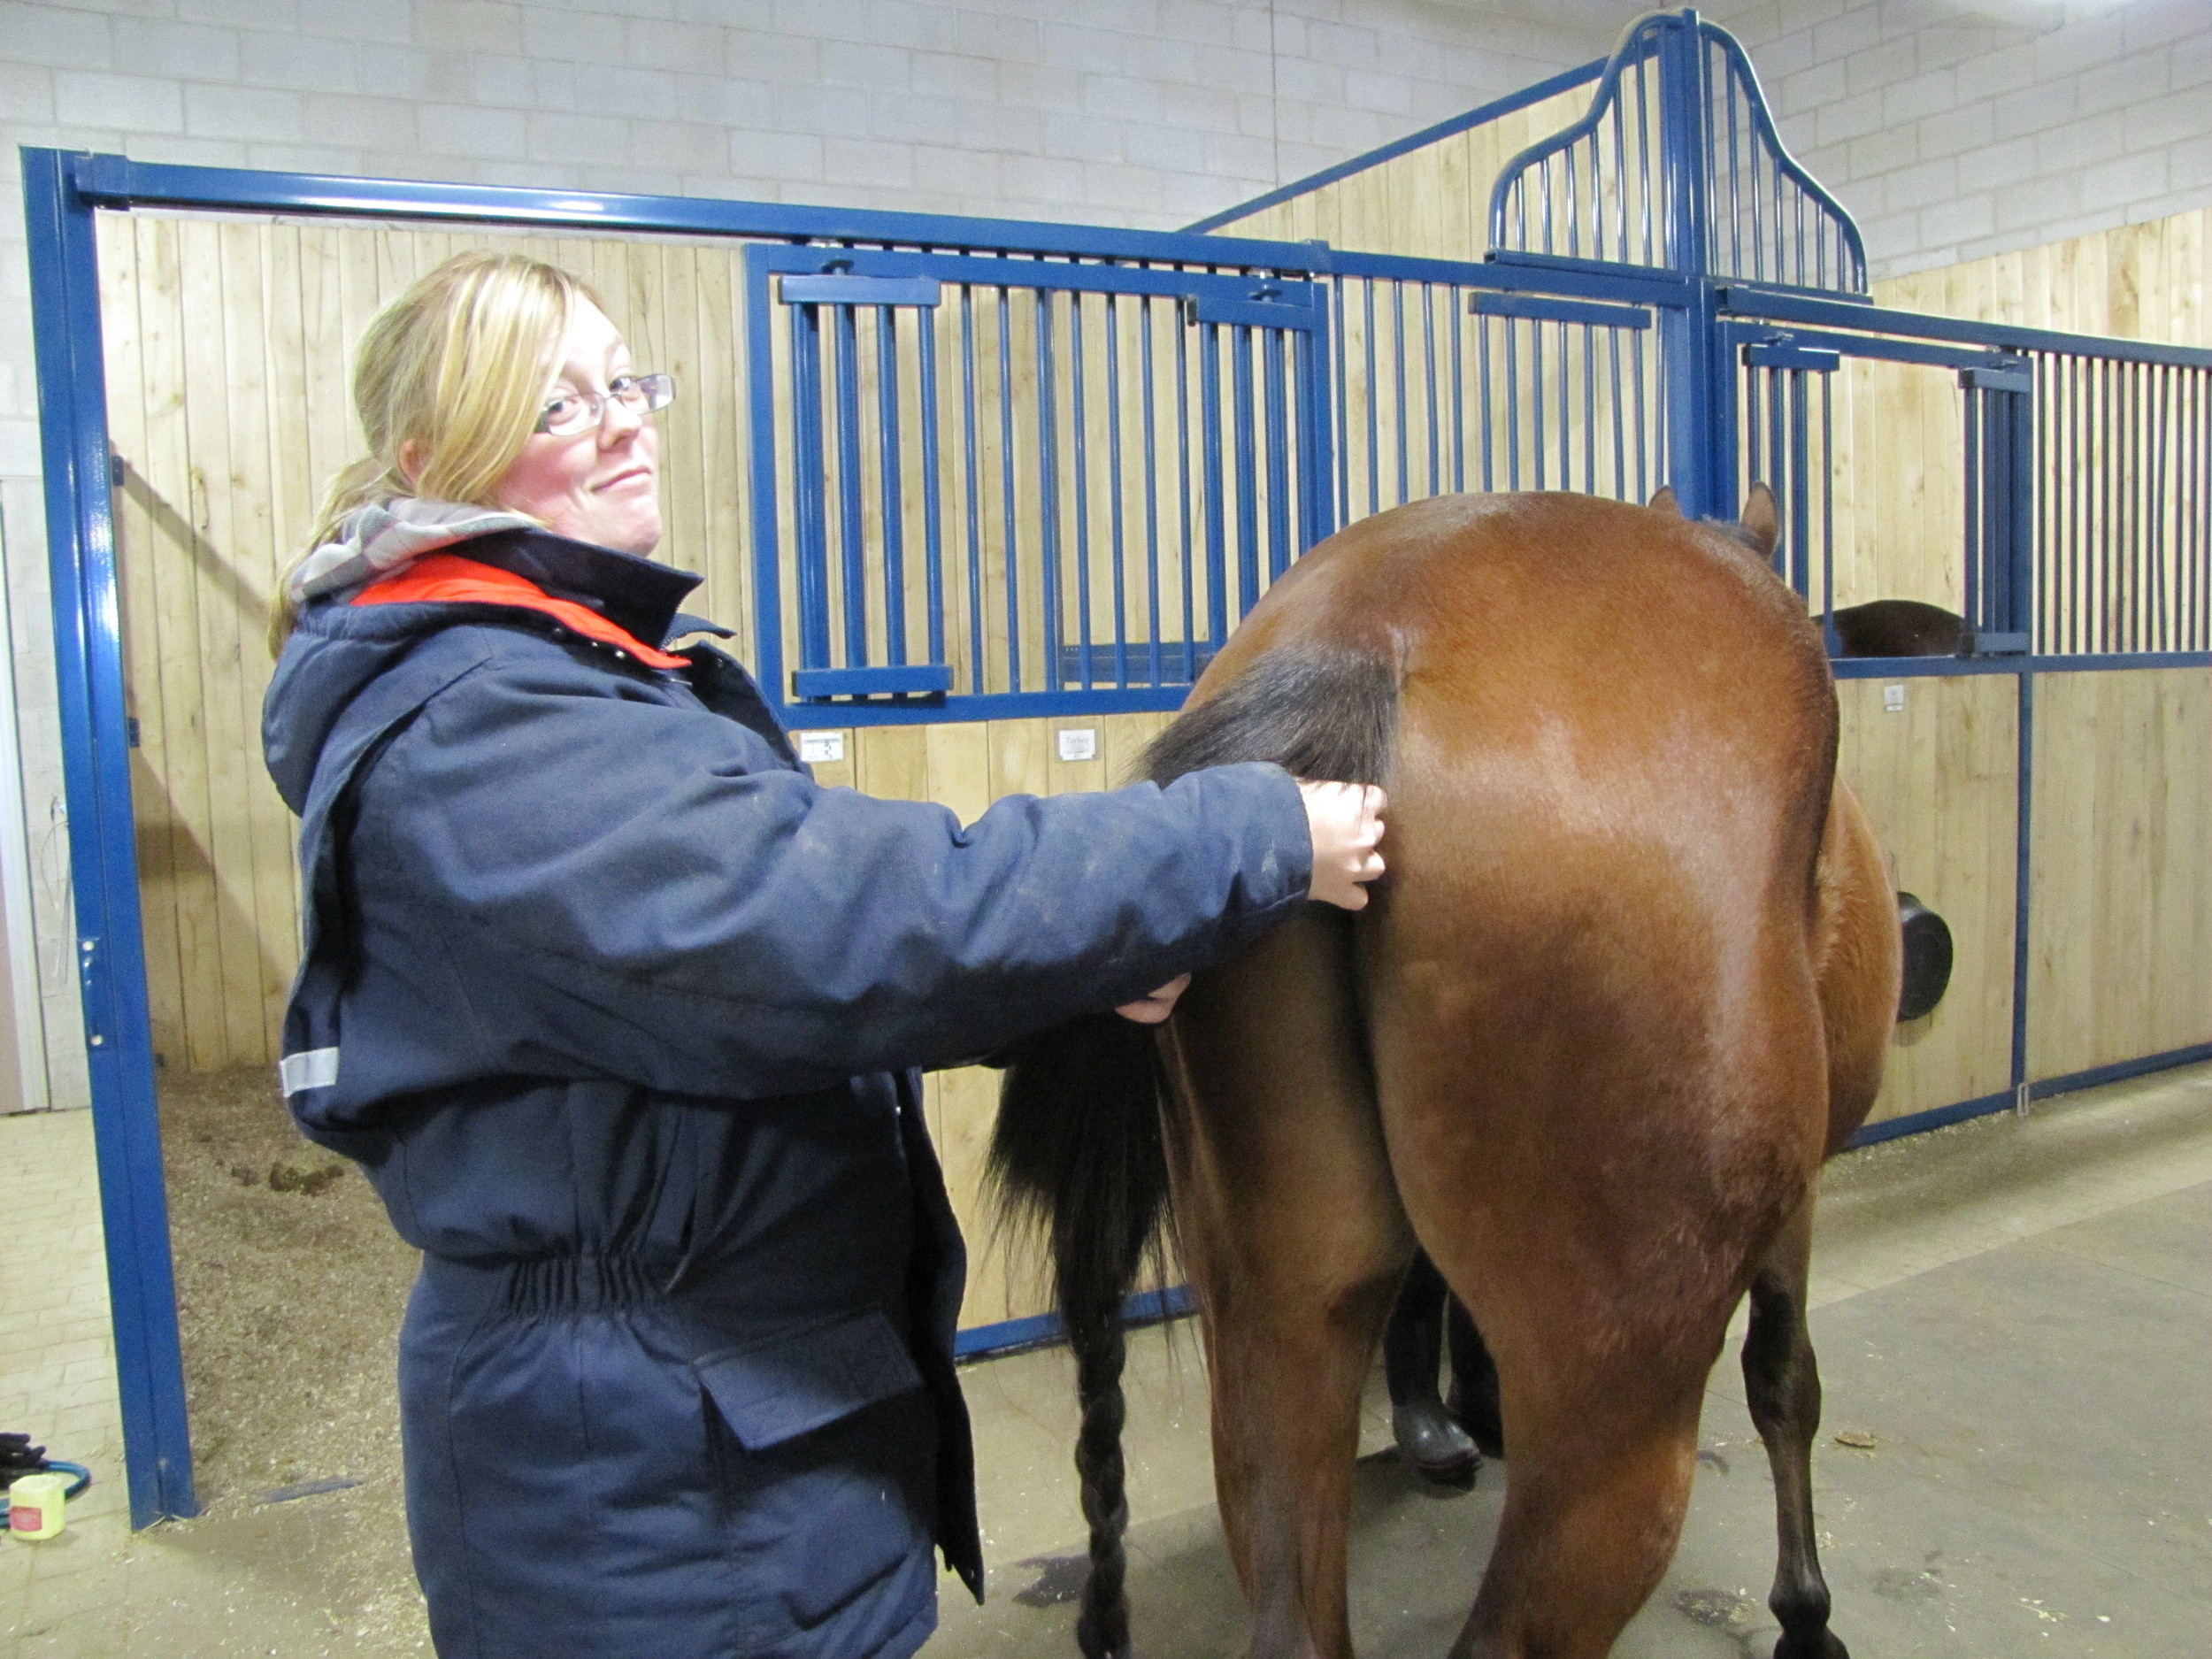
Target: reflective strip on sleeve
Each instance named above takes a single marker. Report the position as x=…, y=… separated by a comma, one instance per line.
x=317, y=1068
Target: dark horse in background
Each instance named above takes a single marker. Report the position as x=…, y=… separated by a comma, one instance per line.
x=1628, y=982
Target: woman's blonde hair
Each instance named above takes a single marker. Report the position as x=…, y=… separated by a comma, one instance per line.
x=457, y=367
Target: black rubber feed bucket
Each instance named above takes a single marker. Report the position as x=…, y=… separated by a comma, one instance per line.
x=1927, y=958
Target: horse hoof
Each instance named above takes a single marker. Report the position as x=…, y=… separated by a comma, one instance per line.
x=1437, y=1447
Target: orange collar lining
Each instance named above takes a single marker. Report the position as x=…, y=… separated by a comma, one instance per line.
x=449, y=579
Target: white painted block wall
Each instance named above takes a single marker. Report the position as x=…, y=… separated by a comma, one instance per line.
x=1954, y=131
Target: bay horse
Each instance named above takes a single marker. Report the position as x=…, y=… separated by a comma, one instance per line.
x=1627, y=982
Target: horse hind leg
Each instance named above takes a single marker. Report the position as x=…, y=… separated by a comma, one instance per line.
x=1603, y=1447
x=1782, y=1383
x=1295, y=1242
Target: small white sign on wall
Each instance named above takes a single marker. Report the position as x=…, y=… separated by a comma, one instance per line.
x=1079, y=742
x=817, y=748
x=1892, y=700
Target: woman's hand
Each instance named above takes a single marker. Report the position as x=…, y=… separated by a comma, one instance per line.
x=1345, y=820
x=1151, y=1010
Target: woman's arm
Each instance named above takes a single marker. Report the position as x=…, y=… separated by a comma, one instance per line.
x=644, y=892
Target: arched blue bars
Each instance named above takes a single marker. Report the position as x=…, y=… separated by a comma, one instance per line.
x=1677, y=165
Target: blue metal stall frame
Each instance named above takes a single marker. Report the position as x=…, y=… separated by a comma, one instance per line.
x=1685, y=305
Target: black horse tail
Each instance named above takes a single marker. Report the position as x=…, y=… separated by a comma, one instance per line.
x=1079, y=1151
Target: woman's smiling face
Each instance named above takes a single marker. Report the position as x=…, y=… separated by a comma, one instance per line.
x=601, y=485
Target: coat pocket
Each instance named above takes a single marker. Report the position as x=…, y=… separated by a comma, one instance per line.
x=791, y=1385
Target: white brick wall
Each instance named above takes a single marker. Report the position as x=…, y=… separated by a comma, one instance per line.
x=1138, y=112
x=1953, y=131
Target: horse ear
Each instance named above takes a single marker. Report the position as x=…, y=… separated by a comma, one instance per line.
x=1761, y=519
x=1664, y=501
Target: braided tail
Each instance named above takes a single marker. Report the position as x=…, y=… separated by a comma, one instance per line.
x=1102, y=1631
x=1078, y=1155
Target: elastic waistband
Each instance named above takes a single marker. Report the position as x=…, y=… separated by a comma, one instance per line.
x=545, y=1284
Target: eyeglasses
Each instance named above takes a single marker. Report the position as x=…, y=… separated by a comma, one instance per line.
x=572, y=413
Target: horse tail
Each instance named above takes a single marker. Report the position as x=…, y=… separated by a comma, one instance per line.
x=1079, y=1151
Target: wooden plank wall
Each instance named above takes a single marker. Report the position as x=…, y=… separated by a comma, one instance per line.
x=1432, y=203
x=2120, y=945
x=1939, y=778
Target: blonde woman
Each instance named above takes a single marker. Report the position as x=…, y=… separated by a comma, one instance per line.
x=621, y=1012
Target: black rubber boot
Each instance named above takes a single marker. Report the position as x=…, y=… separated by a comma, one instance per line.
x=1474, y=1396
x=1437, y=1447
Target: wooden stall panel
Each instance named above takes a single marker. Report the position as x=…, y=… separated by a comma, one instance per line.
x=1938, y=778
x=1431, y=203
x=2120, y=963
x=964, y=768
x=1899, y=484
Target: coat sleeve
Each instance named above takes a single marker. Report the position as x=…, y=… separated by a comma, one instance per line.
x=624, y=887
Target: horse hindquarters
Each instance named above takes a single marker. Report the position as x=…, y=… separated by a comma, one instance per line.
x=1294, y=1243
x=1603, y=1089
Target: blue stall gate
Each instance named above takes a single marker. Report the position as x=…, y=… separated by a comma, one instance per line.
x=1001, y=469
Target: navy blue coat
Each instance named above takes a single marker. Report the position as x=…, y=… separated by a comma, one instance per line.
x=621, y=1013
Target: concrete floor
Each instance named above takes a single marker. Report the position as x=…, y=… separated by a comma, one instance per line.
x=2018, y=1313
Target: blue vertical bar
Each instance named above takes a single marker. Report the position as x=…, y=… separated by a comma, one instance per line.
x=1436, y=426
x=1828, y=510
x=1457, y=306
x=1374, y=426
x=1398, y=384
x=1488, y=408
x=932, y=488
x=1049, y=486
x=810, y=483
x=1248, y=445
x=1341, y=404
x=1151, y=497
x=1008, y=554
x=762, y=420
x=1320, y=398
x=889, y=486
x=1536, y=415
x=1977, y=547
x=852, y=541
x=979, y=659
x=102, y=839
x=1589, y=409
x=1801, y=488
x=1114, y=480
x=1644, y=175
x=1271, y=343
x=1077, y=373
x=1210, y=437
x=1683, y=154
x=1620, y=452
x=1510, y=326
